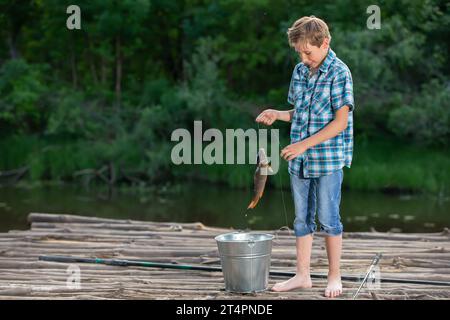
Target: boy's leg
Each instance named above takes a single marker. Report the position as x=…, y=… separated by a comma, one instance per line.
x=302, y=279
x=334, y=247
x=304, y=195
x=328, y=201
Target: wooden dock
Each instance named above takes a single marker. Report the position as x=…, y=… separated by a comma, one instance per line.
x=23, y=276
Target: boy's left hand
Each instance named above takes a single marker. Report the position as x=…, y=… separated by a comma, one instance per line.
x=292, y=151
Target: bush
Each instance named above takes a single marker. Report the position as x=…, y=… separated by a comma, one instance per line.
x=21, y=94
x=427, y=119
x=71, y=115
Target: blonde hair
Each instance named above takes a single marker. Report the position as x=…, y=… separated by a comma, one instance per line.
x=310, y=30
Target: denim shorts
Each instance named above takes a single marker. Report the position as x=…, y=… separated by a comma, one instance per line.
x=322, y=193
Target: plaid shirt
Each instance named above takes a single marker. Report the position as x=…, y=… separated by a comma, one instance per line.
x=316, y=99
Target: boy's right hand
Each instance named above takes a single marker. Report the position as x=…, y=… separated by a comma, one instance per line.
x=267, y=117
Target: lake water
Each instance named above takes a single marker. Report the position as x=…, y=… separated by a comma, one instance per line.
x=220, y=206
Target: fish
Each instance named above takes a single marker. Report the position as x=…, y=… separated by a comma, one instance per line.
x=260, y=177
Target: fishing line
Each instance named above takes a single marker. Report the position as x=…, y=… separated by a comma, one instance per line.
x=284, y=205
x=282, y=197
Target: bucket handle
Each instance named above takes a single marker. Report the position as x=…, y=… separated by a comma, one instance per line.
x=275, y=240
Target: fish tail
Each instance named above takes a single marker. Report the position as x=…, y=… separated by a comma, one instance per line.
x=253, y=203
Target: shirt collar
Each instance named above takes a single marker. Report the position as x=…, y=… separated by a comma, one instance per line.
x=328, y=60
x=325, y=64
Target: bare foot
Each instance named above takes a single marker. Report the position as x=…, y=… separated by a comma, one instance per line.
x=334, y=287
x=296, y=282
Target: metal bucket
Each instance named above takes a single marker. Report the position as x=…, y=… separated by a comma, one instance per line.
x=245, y=259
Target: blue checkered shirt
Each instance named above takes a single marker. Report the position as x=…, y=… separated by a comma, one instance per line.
x=316, y=99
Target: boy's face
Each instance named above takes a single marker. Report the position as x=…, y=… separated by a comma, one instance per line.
x=310, y=55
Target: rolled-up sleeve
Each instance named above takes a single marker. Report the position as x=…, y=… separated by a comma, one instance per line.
x=294, y=87
x=342, y=91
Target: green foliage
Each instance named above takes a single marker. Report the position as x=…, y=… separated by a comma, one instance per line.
x=114, y=91
x=60, y=161
x=15, y=150
x=71, y=115
x=204, y=91
x=21, y=94
x=382, y=164
x=427, y=119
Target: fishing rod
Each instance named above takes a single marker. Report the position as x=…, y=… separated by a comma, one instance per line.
x=369, y=272
x=150, y=264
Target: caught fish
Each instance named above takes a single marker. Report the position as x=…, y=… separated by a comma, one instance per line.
x=262, y=170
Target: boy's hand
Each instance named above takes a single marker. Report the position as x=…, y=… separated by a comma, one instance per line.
x=267, y=117
x=292, y=151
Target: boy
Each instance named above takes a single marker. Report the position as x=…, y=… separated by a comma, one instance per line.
x=321, y=92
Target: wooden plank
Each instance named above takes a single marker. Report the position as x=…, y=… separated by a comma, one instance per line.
x=410, y=256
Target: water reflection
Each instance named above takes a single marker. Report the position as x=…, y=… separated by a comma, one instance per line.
x=219, y=206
